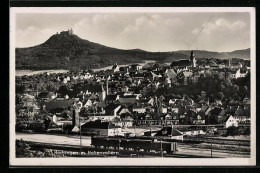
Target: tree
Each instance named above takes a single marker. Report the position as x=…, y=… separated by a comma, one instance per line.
x=220, y=96
x=63, y=90
x=180, y=78
x=232, y=131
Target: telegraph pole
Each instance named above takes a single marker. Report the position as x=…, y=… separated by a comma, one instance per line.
x=161, y=149
x=119, y=147
x=211, y=144
x=80, y=137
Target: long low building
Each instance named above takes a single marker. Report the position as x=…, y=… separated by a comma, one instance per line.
x=101, y=128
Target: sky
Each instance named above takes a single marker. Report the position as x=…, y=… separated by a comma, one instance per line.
x=155, y=32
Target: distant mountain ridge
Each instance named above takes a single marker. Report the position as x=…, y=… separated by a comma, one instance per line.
x=243, y=54
x=65, y=51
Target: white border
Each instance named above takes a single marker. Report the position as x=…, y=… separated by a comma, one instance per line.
x=129, y=161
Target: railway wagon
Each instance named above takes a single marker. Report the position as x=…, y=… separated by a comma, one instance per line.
x=104, y=142
x=136, y=145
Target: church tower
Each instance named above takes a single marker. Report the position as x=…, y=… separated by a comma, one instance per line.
x=102, y=95
x=192, y=59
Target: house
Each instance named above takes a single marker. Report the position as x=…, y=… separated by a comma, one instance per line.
x=231, y=121
x=136, y=67
x=125, y=89
x=139, y=108
x=191, y=132
x=50, y=125
x=175, y=119
x=184, y=119
x=127, y=119
x=88, y=103
x=246, y=101
x=187, y=77
x=195, y=77
x=151, y=101
x=123, y=110
x=171, y=75
x=216, y=115
x=235, y=73
x=171, y=101
x=243, y=72
x=101, y=128
x=163, y=110
x=112, y=109
x=198, y=119
x=115, y=68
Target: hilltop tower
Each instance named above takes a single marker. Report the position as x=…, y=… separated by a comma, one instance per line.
x=70, y=31
x=192, y=59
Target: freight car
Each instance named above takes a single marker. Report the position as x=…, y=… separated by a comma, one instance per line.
x=134, y=144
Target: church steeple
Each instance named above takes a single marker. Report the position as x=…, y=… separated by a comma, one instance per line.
x=192, y=59
x=102, y=95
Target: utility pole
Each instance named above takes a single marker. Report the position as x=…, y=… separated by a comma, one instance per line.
x=161, y=149
x=151, y=129
x=80, y=137
x=211, y=144
x=135, y=131
x=119, y=147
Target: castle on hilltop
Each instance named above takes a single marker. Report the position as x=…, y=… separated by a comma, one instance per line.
x=69, y=32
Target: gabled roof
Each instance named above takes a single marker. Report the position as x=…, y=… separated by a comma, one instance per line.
x=127, y=114
x=181, y=63
x=191, y=113
x=111, y=106
x=45, y=94
x=216, y=111
x=171, y=73
x=201, y=115
x=111, y=97
x=61, y=104
x=239, y=112
x=94, y=88
x=127, y=100
x=187, y=73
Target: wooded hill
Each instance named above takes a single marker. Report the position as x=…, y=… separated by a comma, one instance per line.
x=64, y=51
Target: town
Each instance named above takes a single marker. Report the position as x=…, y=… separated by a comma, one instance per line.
x=198, y=100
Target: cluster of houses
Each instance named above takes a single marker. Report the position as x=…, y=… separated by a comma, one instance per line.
x=106, y=101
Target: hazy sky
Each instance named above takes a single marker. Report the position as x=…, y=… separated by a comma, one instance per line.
x=147, y=31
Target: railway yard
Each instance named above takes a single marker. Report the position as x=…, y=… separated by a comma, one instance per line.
x=70, y=146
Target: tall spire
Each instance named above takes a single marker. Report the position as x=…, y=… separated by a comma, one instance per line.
x=192, y=59
x=102, y=88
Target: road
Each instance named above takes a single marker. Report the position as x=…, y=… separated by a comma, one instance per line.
x=185, y=150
